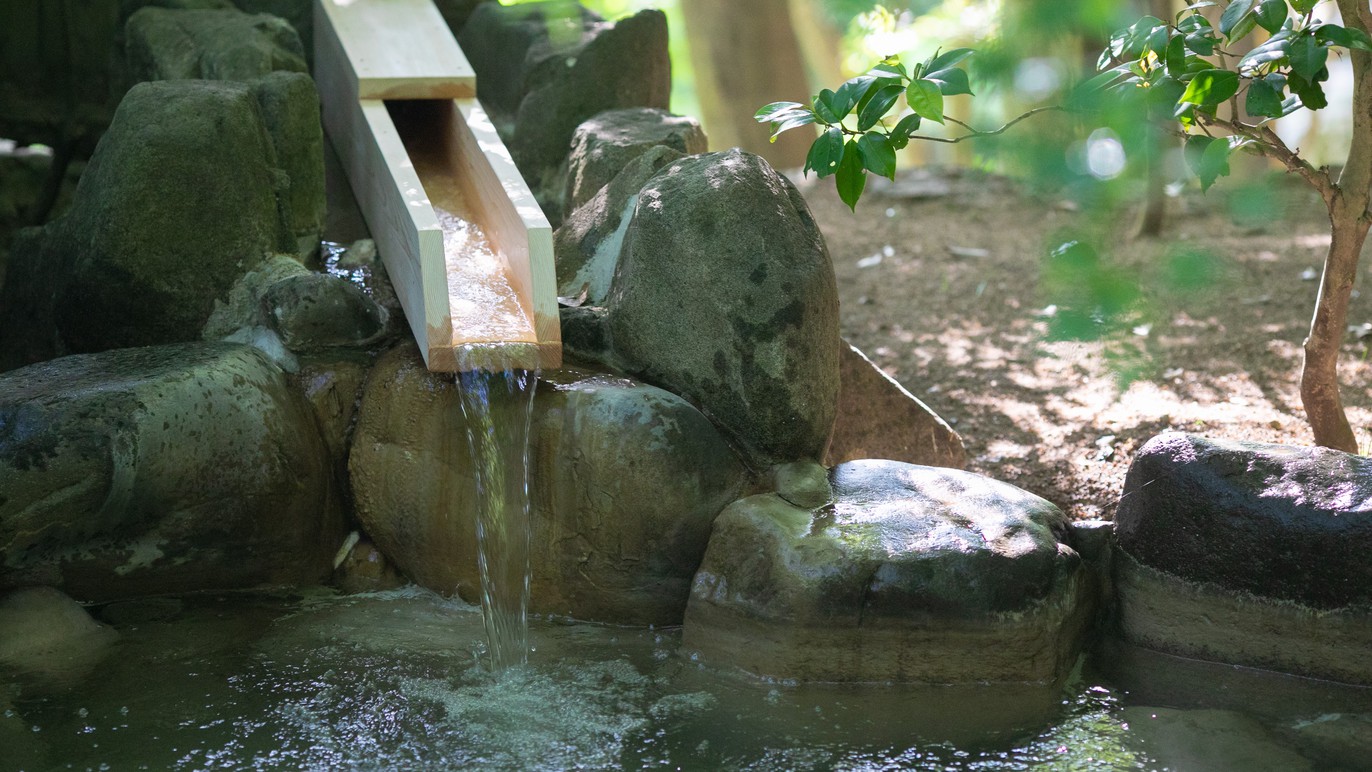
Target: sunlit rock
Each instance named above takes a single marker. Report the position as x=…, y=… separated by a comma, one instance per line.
x=724, y=294
x=1249, y=553
x=48, y=639
x=625, y=481
x=162, y=469
x=182, y=197
x=914, y=574
x=879, y=418
x=603, y=145
x=588, y=243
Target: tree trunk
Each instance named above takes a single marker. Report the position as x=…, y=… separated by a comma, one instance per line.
x=1348, y=220
x=1319, y=376
x=1154, y=211
x=745, y=58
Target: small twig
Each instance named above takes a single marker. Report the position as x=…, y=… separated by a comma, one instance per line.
x=1272, y=146
x=975, y=134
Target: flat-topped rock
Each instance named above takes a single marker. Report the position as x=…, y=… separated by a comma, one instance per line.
x=913, y=574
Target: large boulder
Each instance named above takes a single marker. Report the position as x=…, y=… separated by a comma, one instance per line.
x=603, y=145
x=588, y=243
x=879, y=418
x=914, y=573
x=158, y=470
x=625, y=481
x=550, y=66
x=1249, y=553
x=182, y=197
x=165, y=44
x=724, y=294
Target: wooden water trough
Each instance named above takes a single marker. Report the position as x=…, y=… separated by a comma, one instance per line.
x=466, y=246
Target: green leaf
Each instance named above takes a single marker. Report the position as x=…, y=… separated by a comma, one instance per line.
x=852, y=91
x=827, y=107
x=877, y=106
x=888, y=68
x=826, y=152
x=1263, y=99
x=1176, y=56
x=798, y=120
x=878, y=156
x=851, y=177
x=1236, y=11
x=1163, y=96
x=951, y=81
x=1304, y=6
x=1210, y=87
x=1311, y=94
x=1271, y=14
x=947, y=59
x=1359, y=40
x=900, y=135
x=926, y=99
x=1271, y=50
x=1307, y=56
x=765, y=114
x=1214, y=163
x=1142, y=36
x=1246, y=25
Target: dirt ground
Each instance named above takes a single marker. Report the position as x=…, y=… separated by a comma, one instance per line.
x=957, y=309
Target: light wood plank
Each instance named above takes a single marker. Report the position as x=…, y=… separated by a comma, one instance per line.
x=424, y=173
x=388, y=192
x=399, y=49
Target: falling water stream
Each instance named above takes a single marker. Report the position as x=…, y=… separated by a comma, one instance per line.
x=497, y=407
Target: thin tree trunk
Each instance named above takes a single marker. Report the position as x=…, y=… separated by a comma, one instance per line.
x=1154, y=210
x=1319, y=376
x=1349, y=220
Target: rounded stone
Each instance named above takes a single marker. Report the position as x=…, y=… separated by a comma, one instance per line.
x=915, y=574
x=725, y=295
x=625, y=480
x=160, y=470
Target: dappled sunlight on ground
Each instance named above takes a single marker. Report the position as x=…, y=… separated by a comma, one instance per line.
x=955, y=310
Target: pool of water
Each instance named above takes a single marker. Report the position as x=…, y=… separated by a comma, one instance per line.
x=396, y=680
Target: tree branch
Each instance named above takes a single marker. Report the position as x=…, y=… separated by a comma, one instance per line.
x=974, y=134
x=1272, y=146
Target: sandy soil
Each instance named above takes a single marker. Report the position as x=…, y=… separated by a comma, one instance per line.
x=957, y=309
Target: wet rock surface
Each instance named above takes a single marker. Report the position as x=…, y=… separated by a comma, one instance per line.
x=165, y=469
x=1218, y=740
x=725, y=295
x=1278, y=522
x=914, y=574
x=603, y=145
x=182, y=197
x=879, y=418
x=626, y=479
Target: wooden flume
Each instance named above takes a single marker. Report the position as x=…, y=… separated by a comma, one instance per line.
x=425, y=164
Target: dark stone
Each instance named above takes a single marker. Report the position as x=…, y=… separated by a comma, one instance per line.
x=184, y=195
x=604, y=144
x=624, y=64
x=913, y=574
x=1278, y=522
x=163, y=44
x=314, y=311
x=506, y=43
x=759, y=357
x=161, y=470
